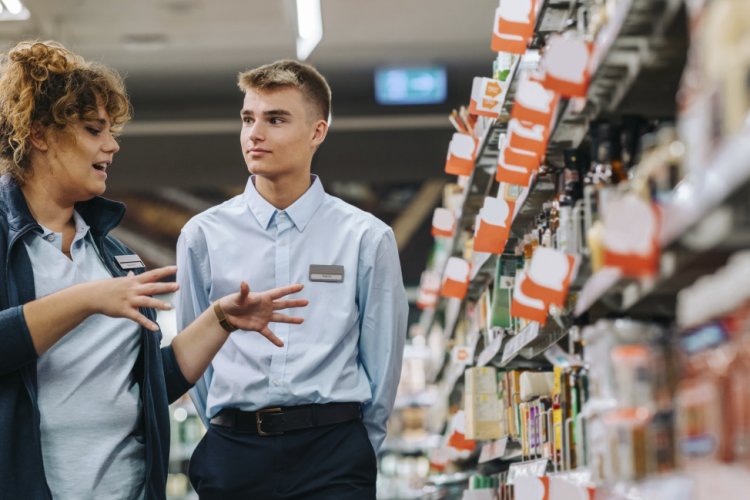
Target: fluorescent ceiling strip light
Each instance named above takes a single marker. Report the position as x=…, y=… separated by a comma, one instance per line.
x=14, y=11
x=14, y=6
x=309, y=27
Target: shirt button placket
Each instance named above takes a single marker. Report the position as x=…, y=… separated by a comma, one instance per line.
x=282, y=277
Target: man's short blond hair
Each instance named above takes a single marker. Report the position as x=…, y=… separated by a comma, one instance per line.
x=288, y=73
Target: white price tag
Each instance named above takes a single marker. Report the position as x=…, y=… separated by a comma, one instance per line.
x=529, y=333
x=493, y=449
x=532, y=468
x=463, y=355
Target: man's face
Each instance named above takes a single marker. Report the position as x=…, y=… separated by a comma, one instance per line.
x=280, y=133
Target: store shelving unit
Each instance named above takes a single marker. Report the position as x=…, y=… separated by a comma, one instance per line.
x=632, y=44
x=633, y=49
x=639, y=58
x=186, y=432
x=701, y=227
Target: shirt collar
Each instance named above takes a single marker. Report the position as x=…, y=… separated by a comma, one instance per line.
x=82, y=230
x=100, y=213
x=81, y=227
x=300, y=212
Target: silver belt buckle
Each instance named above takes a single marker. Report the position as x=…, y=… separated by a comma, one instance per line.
x=259, y=421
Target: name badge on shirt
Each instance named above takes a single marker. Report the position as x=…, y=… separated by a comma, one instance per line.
x=327, y=274
x=129, y=262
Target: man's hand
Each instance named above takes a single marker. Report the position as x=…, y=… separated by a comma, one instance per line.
x=253, y=311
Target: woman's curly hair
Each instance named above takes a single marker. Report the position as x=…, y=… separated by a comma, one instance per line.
x=44, y=83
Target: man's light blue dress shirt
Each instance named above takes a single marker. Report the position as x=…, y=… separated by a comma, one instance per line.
x=350, y=346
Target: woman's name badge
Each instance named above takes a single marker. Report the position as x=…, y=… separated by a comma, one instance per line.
x=129, y=262
x=327, y=274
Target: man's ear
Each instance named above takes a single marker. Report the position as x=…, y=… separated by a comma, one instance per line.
x=38, y=136
x=319, y=132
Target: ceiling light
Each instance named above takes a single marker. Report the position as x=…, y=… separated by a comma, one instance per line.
x=144, y=42
x=309, y=27
x=14, y=11
x=15, y=7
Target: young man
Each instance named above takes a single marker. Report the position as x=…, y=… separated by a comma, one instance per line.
x=303, y=420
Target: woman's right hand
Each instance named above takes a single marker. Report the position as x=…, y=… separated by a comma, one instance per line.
x=123, y=297
x=252, y=311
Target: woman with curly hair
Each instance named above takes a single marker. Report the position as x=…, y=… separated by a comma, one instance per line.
x=84, y=384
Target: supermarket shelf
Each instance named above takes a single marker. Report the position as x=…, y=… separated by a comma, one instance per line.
x=410, y=446
x=630, y=51
x=481, y=183
x=726, y=481
x=681, y=264
x=707, y=221
x=523, y=349
x=630, y=45
x=452, y=308
x=453, y=373
x=454, y=478
x=513, y=455
x=709, y=481
x=426, y=320
x=669, y=487
x=725, y=177
x=633, y=40
x=488, y=149
x=482, y=277
x=531, y=342
x=437, y=371
x=553, y=17
x=635, y=50
x=505, y=449
x=481, y=262
x=542, y=191
x=599, y=288
x=482, y=178
x=490, y=351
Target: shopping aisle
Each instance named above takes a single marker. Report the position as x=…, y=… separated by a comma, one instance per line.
x=585, y=330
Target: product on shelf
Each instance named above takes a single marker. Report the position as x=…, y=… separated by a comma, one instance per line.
x=482, y=405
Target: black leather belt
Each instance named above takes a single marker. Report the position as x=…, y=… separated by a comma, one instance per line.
x=276, y=421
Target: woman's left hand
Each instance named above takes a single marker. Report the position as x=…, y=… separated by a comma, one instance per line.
x=253, y=311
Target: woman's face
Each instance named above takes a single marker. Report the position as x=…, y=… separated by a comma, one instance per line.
x=79, y=159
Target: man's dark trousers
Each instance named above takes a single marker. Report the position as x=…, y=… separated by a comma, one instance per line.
x=334, y=462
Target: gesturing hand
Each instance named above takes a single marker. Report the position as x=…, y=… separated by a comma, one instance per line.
x=122, y=297
x=253, y=311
